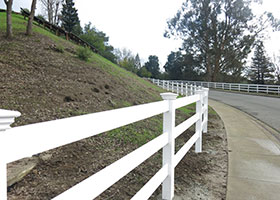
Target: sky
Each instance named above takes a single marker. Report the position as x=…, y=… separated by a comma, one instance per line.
x=139, y=25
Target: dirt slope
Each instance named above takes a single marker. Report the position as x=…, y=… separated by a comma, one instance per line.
x=45, y=84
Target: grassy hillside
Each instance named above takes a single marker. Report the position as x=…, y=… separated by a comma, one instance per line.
x=41, y=77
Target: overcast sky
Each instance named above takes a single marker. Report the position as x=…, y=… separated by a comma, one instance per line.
x=139, y=25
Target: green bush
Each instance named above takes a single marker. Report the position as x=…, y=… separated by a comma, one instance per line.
x=84, y=53
x=41, y=17
x=25, y=9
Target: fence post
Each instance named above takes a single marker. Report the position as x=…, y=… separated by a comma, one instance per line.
x=172, y=85
x=205, y=114
x=177, y=85
x=168, y=86
x=198, y=125
x=158, y=82
x=6, y=119
x=186, y=91
x=169, y=149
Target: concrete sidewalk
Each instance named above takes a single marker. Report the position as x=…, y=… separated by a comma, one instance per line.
x=254, y=156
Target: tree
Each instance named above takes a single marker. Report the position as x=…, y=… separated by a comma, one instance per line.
x=9, y=31
x=153, y=66
x=99, y=40
x=179, y=66
x=217, y=33
x=30, y=18
x=52, y=8
x=125, y=59
x=261, y=69
x=69, y=15
x=137, y=62
x=143, y=72
x=173, y=66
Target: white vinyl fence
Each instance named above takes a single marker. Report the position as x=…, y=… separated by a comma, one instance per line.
x=35, y=138
x=250, y=88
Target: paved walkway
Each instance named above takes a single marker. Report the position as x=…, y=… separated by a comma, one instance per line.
x=254, y=156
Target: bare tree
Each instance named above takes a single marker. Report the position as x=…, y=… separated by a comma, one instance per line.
x=30, y=18
x=52, y=8
x=9, y=4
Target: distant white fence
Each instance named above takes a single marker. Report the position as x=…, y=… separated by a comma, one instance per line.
x=36, y=138
x=250, y=88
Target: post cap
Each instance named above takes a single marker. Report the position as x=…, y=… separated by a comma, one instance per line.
x=168, y=96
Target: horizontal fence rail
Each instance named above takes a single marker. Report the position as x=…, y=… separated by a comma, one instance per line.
x=35, y=138
x=249, y=88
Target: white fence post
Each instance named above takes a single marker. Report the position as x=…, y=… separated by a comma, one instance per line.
x=6, y=119
x=186, y=89
x=169, y=149
x=168, y=86
x=182, y=88
x=205, y=114
x=198, y=125
x=158, y=82
x=177, y=87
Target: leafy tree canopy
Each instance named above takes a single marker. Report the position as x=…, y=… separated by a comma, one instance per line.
x=218, y=34
x=153, y=66
x=99, y=40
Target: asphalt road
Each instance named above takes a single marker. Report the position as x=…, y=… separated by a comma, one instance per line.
x=266, y=109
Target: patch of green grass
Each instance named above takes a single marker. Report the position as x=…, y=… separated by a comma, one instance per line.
x=188, y=109
x=212, y=111
x=138, y=133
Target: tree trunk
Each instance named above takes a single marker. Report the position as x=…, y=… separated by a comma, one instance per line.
x=30, y=18
x=9, y=4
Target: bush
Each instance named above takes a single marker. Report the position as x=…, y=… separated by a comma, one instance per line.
x=41, y=17
x=84, y=53
x=24, y=9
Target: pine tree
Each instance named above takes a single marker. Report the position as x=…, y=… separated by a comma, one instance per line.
x=261, y=69
x=70, y=17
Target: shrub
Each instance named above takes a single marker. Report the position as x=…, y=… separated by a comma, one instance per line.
x=83, y=53
x=24, y=9
x=41, y=17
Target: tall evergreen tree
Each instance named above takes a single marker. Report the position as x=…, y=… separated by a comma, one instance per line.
x=153, y=66
x=261, y=69
x=69, y=16
x=217, y=33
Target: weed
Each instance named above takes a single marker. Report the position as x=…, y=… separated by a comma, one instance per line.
x=83, y=53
